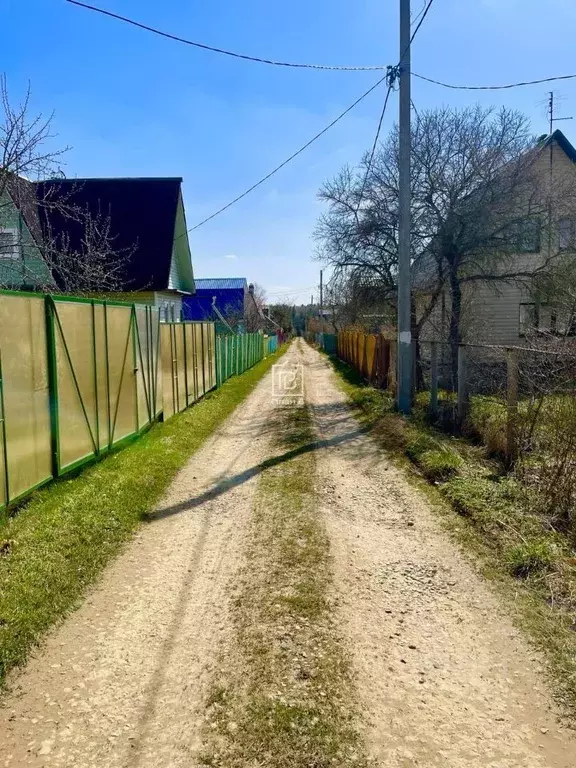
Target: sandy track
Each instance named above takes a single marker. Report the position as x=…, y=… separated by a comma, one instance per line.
x=121, y=682
x=443, y=675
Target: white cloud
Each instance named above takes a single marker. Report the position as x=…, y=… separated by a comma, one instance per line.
x=230, y=256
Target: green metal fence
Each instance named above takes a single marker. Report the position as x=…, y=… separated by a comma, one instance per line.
x=235, y=354
x=79, y=377
x=270, y=344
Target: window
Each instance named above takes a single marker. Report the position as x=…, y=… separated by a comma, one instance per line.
x=527, y=235
x=545, y=318
x=527, y=318
x=565, y=234
x=9, y=244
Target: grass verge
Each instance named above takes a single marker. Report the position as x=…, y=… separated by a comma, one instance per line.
x=283, y=697
x=66, y=533
x=493, y=516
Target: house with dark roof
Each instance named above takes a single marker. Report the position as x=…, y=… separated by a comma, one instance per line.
x=147, y=227
x=147, y=224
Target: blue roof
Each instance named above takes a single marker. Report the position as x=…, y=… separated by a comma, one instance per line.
x=220, y=283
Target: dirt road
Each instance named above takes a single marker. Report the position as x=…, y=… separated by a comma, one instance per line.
x=443, y=676
x=122, y=682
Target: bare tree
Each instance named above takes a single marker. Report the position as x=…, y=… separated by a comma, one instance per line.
x=32, y=254
x=254, y=312
x=477, y=202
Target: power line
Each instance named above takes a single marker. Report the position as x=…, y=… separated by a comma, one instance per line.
x=222, y=51
x=422, y=18
x=374, y=145
x=493, y=87
x=289, y=159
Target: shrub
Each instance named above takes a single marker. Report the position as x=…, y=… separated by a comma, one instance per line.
x=530, y=557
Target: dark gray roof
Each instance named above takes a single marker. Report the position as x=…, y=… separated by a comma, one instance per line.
x=142, y=215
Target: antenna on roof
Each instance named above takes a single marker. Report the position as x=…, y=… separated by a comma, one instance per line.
x=552, y=119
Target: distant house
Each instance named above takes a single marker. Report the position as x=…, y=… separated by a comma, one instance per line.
x=231, y=302
x=148, y=226
x=229, y=295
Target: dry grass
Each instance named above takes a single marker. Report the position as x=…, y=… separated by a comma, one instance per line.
x=284, y=697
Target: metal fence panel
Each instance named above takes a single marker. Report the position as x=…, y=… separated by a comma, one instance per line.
x=25, y=427
x=121, y=365
x=178, y=337
x=77, y=421
x=167, y=365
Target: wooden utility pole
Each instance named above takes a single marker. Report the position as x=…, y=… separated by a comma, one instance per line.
x=404, y=320
x=321, y=300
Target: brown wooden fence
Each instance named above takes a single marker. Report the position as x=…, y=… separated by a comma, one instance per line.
x=370, y=354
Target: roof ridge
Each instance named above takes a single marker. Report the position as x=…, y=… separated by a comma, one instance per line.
x=109, y=178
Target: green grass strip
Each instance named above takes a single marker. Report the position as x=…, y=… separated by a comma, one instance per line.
x=56, y=545
x=284, y=696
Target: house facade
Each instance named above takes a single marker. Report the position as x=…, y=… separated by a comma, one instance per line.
x=507, y=312
x=226, y=296
x=21, y=264
x=148, y=231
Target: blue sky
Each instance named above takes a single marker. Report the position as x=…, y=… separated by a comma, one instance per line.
x=130, y=103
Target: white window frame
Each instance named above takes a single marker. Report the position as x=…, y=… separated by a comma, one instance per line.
x=15, y=253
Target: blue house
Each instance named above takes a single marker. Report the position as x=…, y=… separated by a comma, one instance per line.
x=230, y=295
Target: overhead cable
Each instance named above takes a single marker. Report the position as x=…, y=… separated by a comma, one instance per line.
x=289, y=159
x=492, y=87
x=222, y=51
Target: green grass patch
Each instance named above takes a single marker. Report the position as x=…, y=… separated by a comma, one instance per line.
x=56, y=544
x=530, y=557
x=283, y=697
x=493, y=515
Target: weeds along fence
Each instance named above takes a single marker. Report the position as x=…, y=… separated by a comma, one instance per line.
x=520, y=401
x=79, y=377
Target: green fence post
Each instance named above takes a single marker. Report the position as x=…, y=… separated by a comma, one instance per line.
x=185, y=363
x=134, y=326
x=203, y=359
x=52, y=385
x=95, y=379
x=4, y=441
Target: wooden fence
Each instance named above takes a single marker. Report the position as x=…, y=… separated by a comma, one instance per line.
x=370, y=354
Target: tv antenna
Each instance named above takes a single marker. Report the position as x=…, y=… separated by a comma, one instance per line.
x=551, y=107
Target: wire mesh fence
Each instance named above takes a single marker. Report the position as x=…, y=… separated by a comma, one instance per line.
x=519, y=401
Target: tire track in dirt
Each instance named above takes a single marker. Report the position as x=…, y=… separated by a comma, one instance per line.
x=444, y=677
x=121, y=683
